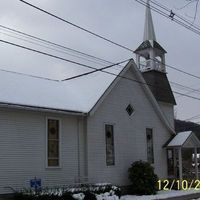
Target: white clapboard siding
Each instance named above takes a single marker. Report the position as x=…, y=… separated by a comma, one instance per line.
x=23, y=150
x=129, y=133
x=168, y=111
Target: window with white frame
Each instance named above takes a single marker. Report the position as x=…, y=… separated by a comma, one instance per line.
x=110, y=153
x=53, y=143
x=149, y=139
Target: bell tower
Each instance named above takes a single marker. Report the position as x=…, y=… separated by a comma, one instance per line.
x=150, y=59
x=150, y=55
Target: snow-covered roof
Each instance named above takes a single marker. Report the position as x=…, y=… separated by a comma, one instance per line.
x=180, y=139
x=78, y=95
x=186, y=139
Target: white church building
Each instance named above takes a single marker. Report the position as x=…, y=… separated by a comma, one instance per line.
x=80, y=131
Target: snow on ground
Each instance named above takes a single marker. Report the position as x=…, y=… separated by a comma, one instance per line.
x=160, y=195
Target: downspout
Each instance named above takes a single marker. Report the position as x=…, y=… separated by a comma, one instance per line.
x=82, y=169
x=78, y=149
x=85, y=132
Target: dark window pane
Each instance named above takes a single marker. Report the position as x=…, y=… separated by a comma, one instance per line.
x=53, y=149
x=53, y=129
x=110, y=154
x=170, y=162
x=149, y=138
x=53, y=162
x=129, y=109
x=53, y=142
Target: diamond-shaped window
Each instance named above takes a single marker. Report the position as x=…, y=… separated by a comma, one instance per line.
x=129, y=109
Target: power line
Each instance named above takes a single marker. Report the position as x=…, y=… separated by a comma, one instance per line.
x=184, y=87
x=73, y=50
x=113, y=64
x=184, y=72
x=77, y=26
x=32, y=37
x=140, y=1
x=189, y=26
x=60, y=58
x=183, y=20
x=174, y=68
x=90, y=67
x=47, y=54
x=197, y=90
x=60, y=51
x=189, y=89
x=84, y=74
x=178, y=16
x=29, y=75
x=91, y=72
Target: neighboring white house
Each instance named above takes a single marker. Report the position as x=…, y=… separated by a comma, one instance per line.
x=90, y=128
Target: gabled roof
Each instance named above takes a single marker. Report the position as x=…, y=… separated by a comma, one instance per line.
x=179, y=139
x=82, y=95
x=77, y=95
x=185, y=139
x=146, y=89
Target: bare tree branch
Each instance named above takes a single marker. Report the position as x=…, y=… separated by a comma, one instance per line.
x=196, y=9
x=191, y=1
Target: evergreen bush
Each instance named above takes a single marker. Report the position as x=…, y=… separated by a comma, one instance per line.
x=143, y=179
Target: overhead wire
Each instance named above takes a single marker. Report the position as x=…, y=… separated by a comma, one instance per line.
x=193, y=91
x=100, y=60
x=183, y=87
x=87, y=73
x=70, y=54
x=97, y=34
x=29, y=75
x=76, y=26
x=57, y=50
x=71, y=24
x=161, y=12
x=177, y=15
x=45, y=41
x=87, y=66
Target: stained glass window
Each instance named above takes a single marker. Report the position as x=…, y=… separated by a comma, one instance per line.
x=53, y=142
x=110, y=154
x=149, y=138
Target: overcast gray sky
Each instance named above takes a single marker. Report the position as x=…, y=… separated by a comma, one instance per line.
x=119, y=20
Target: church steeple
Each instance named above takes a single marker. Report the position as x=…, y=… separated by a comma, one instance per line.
x=150, y=58
x=149, y=33
x=150, y=55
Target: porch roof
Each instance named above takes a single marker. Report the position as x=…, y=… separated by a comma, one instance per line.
x=186, y=139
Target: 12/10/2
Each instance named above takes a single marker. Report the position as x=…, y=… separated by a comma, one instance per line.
x=179, y=184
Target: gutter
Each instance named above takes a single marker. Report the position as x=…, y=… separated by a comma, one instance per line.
x=41, y=109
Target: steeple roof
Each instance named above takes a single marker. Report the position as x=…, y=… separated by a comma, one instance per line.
x=149, y=33
x=149, y=38
x=150, y=44
x=159, y=86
